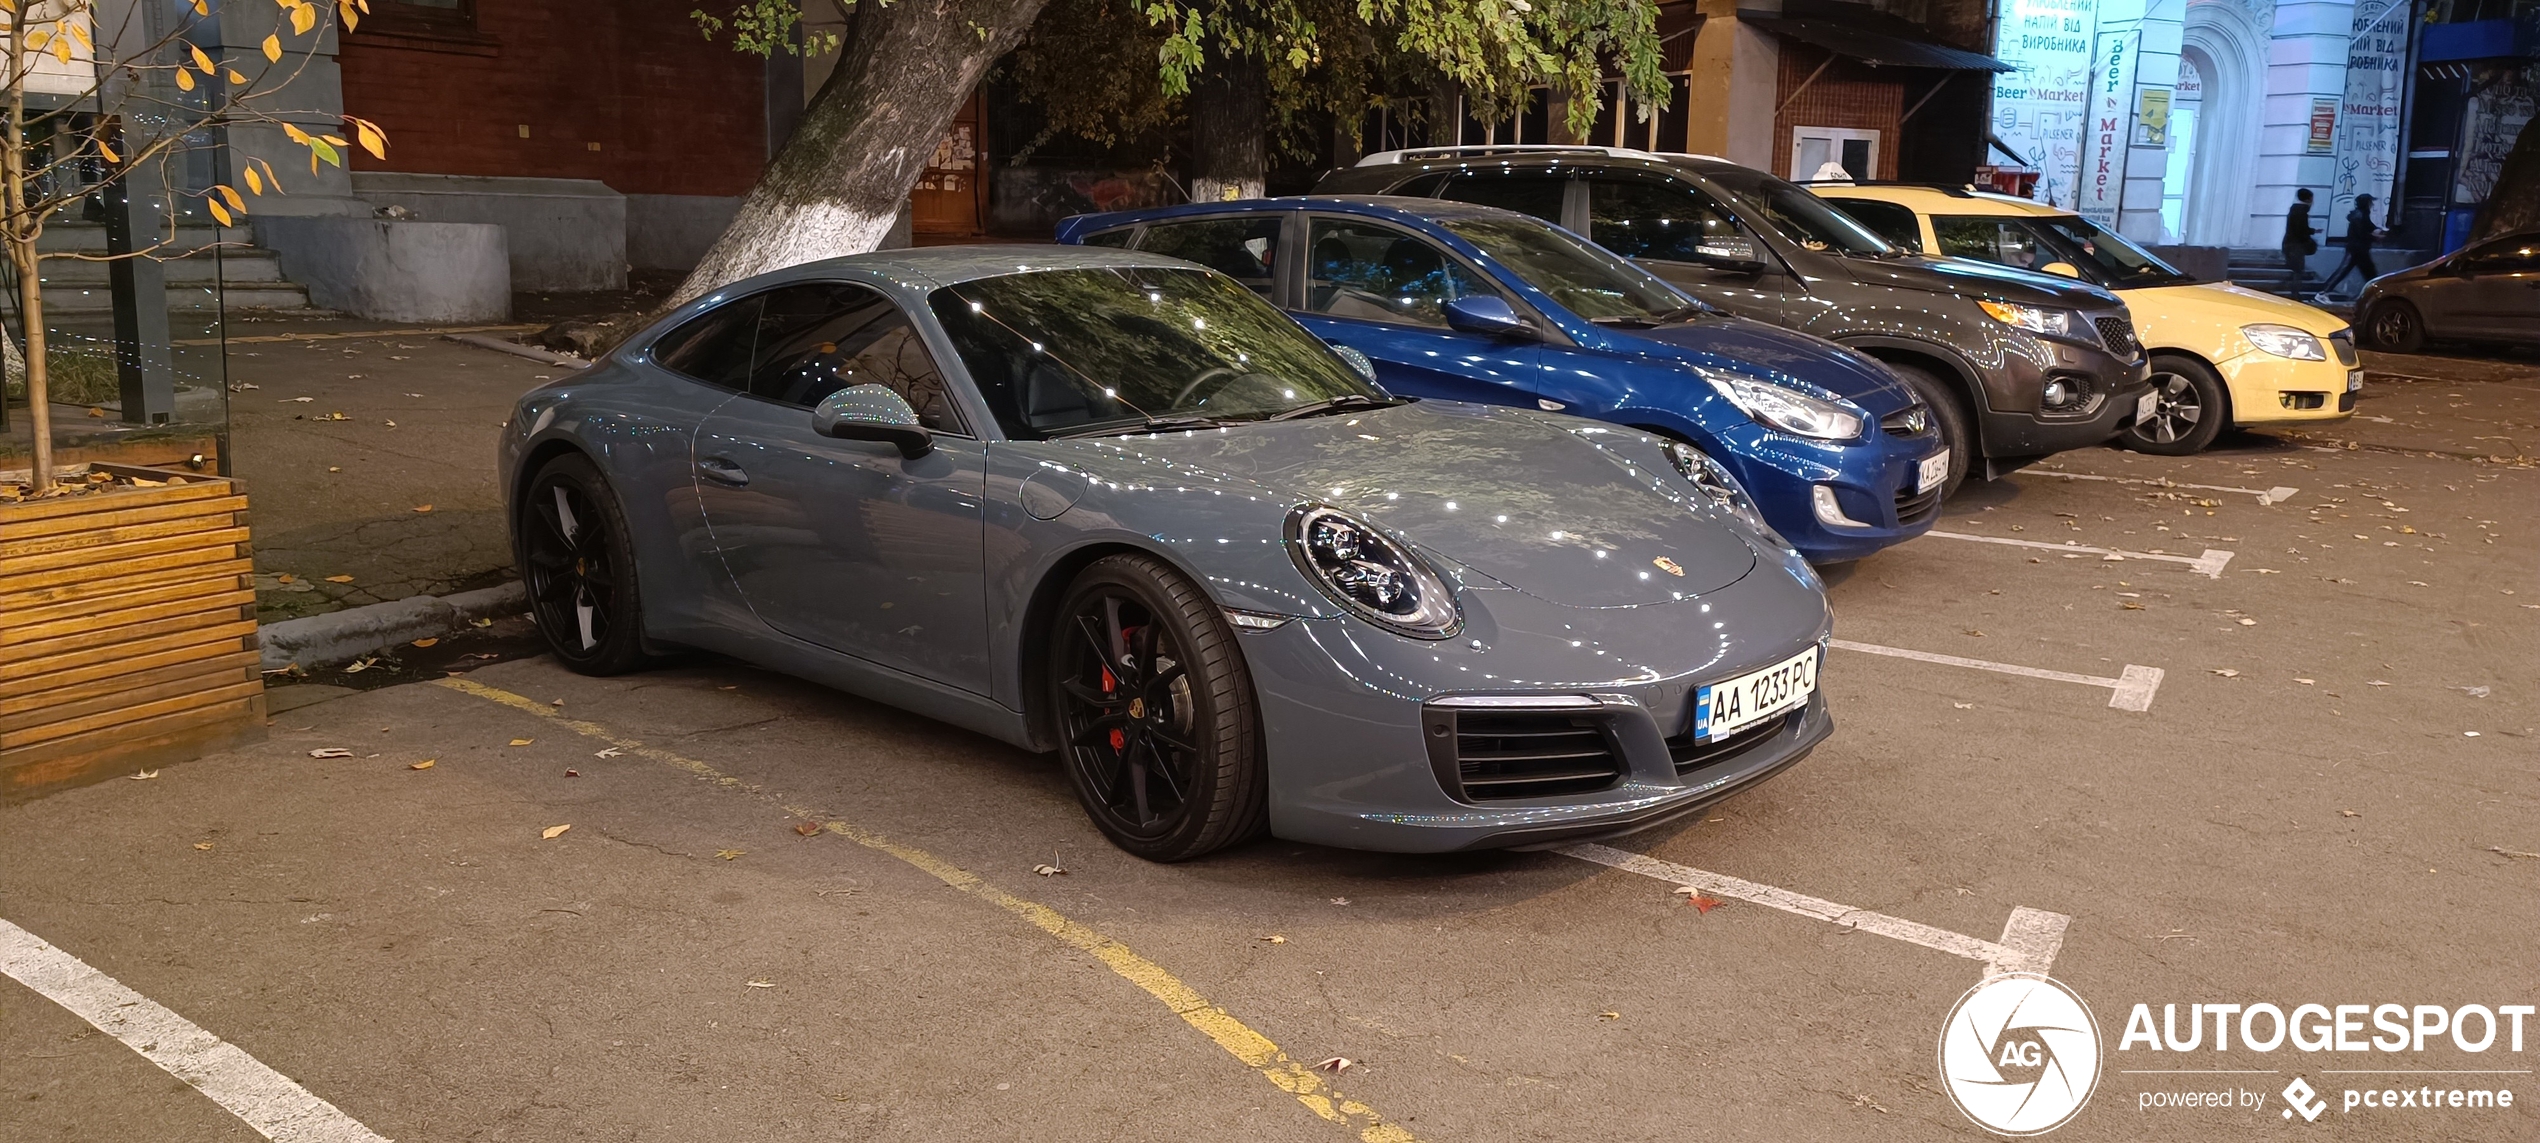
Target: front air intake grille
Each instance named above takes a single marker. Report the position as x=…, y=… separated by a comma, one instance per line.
x=1915, y=507
x=1502, y=754
x=2118, y=335
x=2342, y=343
x=1690, y=755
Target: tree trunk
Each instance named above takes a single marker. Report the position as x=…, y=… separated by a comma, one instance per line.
x=1230, y=131
x=20, y=232
x=2514, y=202
x=904, y=71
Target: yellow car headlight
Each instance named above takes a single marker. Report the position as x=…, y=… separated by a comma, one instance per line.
x=2284, y=341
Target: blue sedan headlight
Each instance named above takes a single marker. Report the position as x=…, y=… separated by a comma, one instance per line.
x=1783, y=408
x=1369, y=574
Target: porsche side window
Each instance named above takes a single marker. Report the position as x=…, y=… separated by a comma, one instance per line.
x=818, y=338
x=1117, y=239
x=1892, y=221
x=1240, y=248
x=715, y=346
x=1664, y=220
x=1373, y=273
x=1524, y=192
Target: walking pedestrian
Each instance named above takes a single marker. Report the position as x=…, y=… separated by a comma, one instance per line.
x=2359, y=235
x=2300, y=242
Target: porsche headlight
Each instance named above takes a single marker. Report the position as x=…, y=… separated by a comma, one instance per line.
x=2284, y=341
x=1783, y=408
x=1716, y=484
x=2035, y=319
x=1369, y=574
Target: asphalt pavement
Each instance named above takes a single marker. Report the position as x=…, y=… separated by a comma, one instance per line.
x=2248, y=727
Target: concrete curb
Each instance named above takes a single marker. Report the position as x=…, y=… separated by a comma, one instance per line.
x=343, y=636
x=516, y=349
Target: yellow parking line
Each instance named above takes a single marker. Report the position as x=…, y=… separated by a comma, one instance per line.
x=1237, y=1038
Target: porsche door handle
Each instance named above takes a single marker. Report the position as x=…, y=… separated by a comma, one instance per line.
x=722, y=471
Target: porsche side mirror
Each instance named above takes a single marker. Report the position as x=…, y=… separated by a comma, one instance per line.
x=1486, y=313
x=872, y=413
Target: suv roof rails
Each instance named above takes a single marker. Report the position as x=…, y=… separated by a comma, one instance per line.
x=1954, y=190
x=1486, y=150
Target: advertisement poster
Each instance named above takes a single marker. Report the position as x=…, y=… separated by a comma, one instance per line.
x=2037, y=110
x=2368, y=123
x=2323, y=126
x=2152, y=117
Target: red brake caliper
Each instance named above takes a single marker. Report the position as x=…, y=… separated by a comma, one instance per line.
x=1119, y=741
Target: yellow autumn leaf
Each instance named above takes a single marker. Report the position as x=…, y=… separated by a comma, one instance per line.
x=108, y=151
x=339, y=579
x=201, y=8
x=184, y=78
x=344, y=10
x=236, y=78
x=79, y=31
x=372, y=140
x=219, y=212
x=303, y=18
x=35, y=41
x=522, y=741
x=426, y=764
x=334, y=140
x=255, y=182
x=293, y=132
x=273, y=48
x=553, y=832
x=61, y=49
x=364, y=5
x=230, y=193
x=200, y=60
x=9, y=6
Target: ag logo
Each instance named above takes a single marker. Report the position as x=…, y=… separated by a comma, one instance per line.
x=2020, y=1054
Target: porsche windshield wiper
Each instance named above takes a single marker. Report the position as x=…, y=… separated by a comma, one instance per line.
x=1160, y=425
x=1345, y=403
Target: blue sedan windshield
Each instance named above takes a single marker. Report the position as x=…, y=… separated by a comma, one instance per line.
x=1586, y=279
x=1063, y=352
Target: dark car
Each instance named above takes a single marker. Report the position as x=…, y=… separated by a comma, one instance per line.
x=2485, y=292
x=1454, y=301
x=2015, y=365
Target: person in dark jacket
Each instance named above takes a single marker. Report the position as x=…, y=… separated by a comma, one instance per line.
x=2299, y=244
x=2359, y=235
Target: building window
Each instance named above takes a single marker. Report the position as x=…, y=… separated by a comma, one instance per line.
x=446, y=17
x=1853, y=152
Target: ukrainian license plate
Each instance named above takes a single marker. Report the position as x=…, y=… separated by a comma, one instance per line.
x=2144, y=405
x=1933, y=470
x=2354, y=380
x=1723, y=709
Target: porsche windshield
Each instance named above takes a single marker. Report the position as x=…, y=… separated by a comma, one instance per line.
x=1121, y=349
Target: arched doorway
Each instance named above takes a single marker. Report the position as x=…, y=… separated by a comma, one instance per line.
x=2224, y=47
x=2178, y=179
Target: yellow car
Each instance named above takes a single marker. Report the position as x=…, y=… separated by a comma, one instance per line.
x=2221, y=355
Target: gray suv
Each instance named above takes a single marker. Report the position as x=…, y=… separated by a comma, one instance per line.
x=2016, y=365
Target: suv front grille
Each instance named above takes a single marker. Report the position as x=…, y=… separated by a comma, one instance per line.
x=2118, y=335
x=1911, y=421
x=1530, y=754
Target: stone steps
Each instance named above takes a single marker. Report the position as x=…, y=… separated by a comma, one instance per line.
x=247, y=276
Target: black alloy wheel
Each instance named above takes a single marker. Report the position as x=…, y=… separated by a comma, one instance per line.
x=1155, y=712
x=2189, y=409
x=2394, y=325
x=579, y=568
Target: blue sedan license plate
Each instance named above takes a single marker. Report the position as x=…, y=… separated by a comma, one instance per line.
x=1724, y=708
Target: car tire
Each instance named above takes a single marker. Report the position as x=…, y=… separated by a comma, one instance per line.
x=2394, y=325
x=1949, y=414
x=1154, y=705
x=578, y=563
x=2190, y=409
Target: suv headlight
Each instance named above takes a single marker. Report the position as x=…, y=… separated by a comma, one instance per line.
x=2284, y=341
x=1715, y=482
x=1783, y=408
x=2035, y=319
x=1369, y=574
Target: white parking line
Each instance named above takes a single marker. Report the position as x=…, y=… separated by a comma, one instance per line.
x=2029, y=941
x=277, y=1108
x=2276, y=495
x=2133, y=687
x=2209, y=565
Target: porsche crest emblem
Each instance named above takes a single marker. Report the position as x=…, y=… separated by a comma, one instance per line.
x=1669, y=566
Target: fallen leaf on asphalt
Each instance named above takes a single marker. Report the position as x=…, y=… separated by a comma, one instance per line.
x=419, y=508
x=2511, y=852
x=2473, y=692
x=2469, y=734
x=357, y=666
x=1964, y=705
x=1694, y=897
x=425, y=642
x=558, y=702
x=552, y=832
x=339, y=579
x=2348, y=814
x=807, y=829
x=392, y=424
x=1274, y=939
x=611, y=752
x=2226, y=672
x=761, y=984
x=1975, y=633
x=2266, y=571
x=730, y=854
x=303, y=400
x=1340, y=900
x=570, y=773
x=145, y=775
x=2248, y=622
x=1336, y=1065
x=330, y=752
x=333, y=468
x=333, y=417
x=480, y=623
x=2131, y=605
x=203, y=845
x=1609, y=1015
x=426, y=764
x=282, y=578
x=243, y=386
x=523, y=741
x=2307, y=682
x=2376, y=683
x=1045, y=869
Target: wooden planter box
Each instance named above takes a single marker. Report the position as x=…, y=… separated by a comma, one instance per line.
x=127, y=632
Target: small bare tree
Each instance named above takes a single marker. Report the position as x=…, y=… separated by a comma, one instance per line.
x=141, y=89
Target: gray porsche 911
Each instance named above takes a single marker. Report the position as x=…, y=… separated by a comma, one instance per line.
x=1118, y=507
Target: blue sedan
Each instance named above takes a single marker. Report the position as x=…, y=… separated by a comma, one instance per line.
x=1474, y=303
